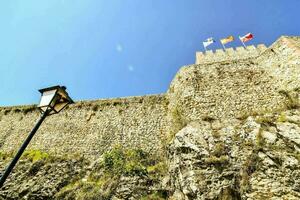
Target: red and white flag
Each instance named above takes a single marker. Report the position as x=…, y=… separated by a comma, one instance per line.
x=246, y=37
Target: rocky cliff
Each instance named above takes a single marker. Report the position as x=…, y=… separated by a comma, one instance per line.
x=227, y=128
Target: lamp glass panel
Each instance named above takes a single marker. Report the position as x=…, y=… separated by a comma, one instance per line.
x=59, y=106
x=46, y=98
x=62, y=93
x=55, y=100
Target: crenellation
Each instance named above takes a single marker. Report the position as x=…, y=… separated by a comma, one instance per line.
x=242, y=52
x=209, y=53
x=229, y=54
x=230, y=51
x=251, y=47
x=220, y=53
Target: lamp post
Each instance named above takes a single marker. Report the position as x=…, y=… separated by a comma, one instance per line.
x=53, y=100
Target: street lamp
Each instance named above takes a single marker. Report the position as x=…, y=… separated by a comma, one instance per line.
x=53, y=100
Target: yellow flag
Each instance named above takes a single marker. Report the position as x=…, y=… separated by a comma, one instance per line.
x=226, y=40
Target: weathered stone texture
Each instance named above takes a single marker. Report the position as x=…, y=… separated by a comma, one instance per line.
x=256, y=158
x=239, y=87
x=228, y=128
x=89, y=128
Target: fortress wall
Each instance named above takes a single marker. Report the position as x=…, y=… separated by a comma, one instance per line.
x=223, y=90
x=89, y=127
x=225, y=85
x=229, y=55
x=246, y=84
x=282, y=60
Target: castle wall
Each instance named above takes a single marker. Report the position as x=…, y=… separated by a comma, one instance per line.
x=282, y=60
x=237, y=87
x=88, y=128
x=222, y=85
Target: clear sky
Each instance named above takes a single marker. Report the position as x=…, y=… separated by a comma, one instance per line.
x=116, y=48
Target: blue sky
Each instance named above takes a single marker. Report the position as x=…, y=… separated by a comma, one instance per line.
x=115, y=48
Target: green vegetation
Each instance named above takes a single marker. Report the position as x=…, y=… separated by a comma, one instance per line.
x=218, y=157
x=89, y=190
x=217, y=161
x=32, y=155
x=102, y=181
x=178, y=122
x=132, y=162
x=127, y=162
x=245, y=114
x=35, y=155
x=282, y=117
x=219, y=149
x=265, y=120
x=160, y=195
x=260, y=140
x=21, y=109
x=29, y=109
x=249, y=167
x=216, y=134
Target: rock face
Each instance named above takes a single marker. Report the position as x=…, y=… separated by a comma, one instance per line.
x=228, y=128
x=255, y=158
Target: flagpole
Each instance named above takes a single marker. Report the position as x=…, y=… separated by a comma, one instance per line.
x=243, y=43
x=223, y=46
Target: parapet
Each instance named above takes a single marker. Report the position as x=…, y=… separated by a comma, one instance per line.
x=229, y=54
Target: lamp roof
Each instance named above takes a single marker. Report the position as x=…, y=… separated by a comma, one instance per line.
x=52, y=88
x=58, y=87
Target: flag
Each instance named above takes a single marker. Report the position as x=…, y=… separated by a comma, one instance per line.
x=246, y=37
x=226, y=40
x=209, y=41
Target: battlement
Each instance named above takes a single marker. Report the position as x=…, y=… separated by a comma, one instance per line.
x=230, y=54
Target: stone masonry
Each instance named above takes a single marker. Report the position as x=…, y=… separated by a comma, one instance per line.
x=220, y=85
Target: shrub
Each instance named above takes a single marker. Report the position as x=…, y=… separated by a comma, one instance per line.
x=219, y=149
x=127, y=162
x=102, y=181
x=178, y=122
x=35, y=155
x=29, y=109
x=249, y=167
x=16, y=110
x=95, y=107
x=282, y=117
x=157, y=170
x=6, y=111
x=218, y=161
x=160, y=195
x=260, y=140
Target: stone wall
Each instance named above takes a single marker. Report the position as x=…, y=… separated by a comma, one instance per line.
x=89, y=127
x=238, y=87
x=247, y=82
